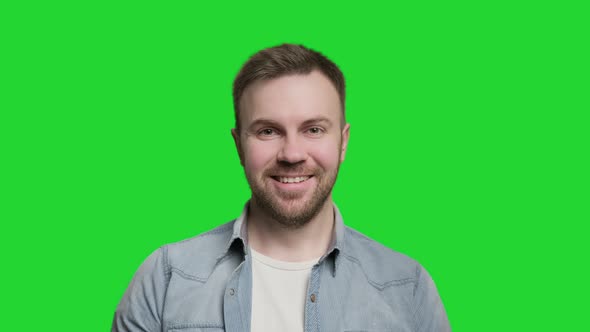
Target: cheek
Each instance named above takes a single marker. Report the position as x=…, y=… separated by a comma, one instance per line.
x=257, y=156
x=326, y=154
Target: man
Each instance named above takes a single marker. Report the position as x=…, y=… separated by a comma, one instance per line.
x=287, y=263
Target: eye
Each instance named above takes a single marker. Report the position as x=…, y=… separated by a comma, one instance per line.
x=267, y=132
x=315, y=131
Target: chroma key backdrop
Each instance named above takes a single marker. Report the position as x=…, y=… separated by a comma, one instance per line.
x=468, y=149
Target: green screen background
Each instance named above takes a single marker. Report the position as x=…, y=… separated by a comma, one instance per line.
x=468, y=150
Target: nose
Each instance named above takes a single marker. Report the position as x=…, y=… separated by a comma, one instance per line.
x=292, y=151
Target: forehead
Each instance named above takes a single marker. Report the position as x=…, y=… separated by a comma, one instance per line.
x=291, y=98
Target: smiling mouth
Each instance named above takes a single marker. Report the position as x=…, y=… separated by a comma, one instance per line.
x=291, y=179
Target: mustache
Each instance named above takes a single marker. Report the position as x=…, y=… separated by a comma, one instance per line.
x=286, y=169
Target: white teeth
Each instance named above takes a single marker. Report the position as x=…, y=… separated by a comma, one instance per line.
x=293, y=180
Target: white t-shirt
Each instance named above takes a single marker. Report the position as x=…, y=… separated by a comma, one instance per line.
x=279, y=290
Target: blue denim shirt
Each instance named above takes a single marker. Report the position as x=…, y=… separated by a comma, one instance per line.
x=205, y=284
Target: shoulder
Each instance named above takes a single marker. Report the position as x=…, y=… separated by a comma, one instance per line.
x=197, y=256
x=383, y=266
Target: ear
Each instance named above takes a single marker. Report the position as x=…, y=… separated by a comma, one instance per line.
x=236, y=136
x=344, y=144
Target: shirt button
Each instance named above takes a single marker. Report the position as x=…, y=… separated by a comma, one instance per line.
x=232, y=291
x=312, y=298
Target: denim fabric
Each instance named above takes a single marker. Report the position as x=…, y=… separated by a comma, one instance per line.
x=204, y=284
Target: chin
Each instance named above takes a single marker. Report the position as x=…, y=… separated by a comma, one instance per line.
x=291, y=214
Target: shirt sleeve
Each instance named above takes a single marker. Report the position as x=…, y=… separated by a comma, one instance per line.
x=140, y=309
x=429, y=312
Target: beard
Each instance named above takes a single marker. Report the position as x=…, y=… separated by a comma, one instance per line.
x=290, y=208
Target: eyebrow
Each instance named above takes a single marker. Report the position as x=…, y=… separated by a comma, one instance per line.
x=269, y=122
x=320, y=119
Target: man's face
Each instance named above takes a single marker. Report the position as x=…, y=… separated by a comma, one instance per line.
x=291, y=144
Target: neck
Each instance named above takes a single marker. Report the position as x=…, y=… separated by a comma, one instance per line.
x=268, y=237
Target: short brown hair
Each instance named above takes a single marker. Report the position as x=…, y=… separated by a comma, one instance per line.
x=283, y=60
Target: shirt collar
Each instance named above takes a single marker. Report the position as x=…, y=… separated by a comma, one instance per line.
x=239, y=238
x=239, y=235
x=332, y=255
